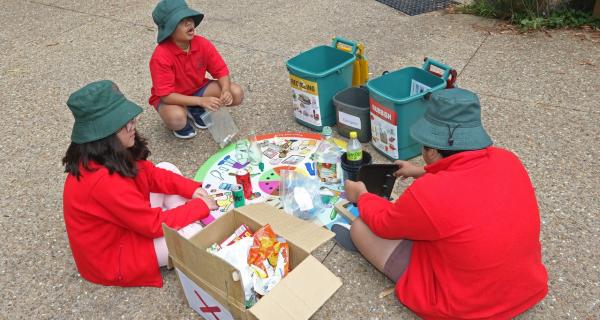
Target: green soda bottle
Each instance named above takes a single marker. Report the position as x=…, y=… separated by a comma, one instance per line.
x=355, y=153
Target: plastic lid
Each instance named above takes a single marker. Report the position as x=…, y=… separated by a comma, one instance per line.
x=327, y=131
x=353, y=135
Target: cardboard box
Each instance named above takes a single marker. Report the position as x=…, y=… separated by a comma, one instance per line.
x=213, y=287
x=342, y=208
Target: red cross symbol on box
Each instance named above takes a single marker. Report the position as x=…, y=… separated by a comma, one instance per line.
x=206, y=308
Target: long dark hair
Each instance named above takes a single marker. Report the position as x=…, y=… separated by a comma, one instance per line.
x=108, y=152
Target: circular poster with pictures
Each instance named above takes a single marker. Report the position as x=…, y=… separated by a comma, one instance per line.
x=279, y=151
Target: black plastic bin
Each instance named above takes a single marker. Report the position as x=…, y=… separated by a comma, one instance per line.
x=352, y=113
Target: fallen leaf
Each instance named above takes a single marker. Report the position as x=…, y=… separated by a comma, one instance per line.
x=452, y=10
x=587, y=63
x=386, y=292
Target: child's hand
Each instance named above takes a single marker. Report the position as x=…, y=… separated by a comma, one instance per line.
x=354, y=190
x=226, y=97
x=210, y=103
x=210, y=202
x=408, y=170
x=200, y=192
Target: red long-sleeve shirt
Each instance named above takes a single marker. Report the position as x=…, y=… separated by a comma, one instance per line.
x=111, y=225
x=176, y=71
x=475, y=225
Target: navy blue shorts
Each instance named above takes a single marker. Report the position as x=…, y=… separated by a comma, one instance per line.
x=199, y=93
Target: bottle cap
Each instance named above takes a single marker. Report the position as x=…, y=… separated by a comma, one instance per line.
x=353, y=135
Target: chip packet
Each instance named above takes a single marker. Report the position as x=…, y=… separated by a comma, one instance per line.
x=266, y=248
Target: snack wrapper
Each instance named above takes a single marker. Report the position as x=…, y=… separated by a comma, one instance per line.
x=214, y=248
x=262, y=259
x=264, y=254
x=241, y=232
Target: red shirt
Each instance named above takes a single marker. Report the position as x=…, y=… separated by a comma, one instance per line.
x=176, y=71
x=475, y=224
x=111, y=226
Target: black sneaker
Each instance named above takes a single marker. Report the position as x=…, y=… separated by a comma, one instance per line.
x=195, y=114
x=342, y=236
x=186, y=133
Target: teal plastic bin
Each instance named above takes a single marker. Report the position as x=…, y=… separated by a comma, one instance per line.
x=397, y=102
x=316, y=76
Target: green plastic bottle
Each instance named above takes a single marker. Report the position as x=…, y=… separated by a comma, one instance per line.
x=355, y=153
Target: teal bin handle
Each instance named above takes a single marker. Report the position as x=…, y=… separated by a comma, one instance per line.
x=430, y=62
x=347, y=42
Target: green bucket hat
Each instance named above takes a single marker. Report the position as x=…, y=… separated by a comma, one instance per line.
x=452, y=121
x=168, y=13
x=100, y=109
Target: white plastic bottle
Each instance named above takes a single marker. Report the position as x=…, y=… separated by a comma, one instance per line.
x=327, y=158
x=355, y=152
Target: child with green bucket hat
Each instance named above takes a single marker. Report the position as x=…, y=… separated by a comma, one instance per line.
x=181, y=93
x=462, y=241
x=115, y=200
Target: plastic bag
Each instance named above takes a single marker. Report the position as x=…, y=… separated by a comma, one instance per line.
x=237, y=255
x=300, y=194
x=221, y=126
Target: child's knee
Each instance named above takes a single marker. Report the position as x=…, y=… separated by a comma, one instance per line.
x=169, y=166
x=238, y=94
x=176, y=122
x=175, y=118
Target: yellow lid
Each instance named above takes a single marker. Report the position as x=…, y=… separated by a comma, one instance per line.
x=353, y=135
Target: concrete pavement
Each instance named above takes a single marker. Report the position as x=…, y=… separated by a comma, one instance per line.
x=539, y=93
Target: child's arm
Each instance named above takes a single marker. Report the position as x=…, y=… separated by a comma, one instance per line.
x=404, y=219
x=210, y=103
x=217, y=68
x=123, y=204
x=225, y=84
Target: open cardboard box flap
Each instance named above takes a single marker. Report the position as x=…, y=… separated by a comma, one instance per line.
x=300, y=294
x=305, y=234
x=199, y=264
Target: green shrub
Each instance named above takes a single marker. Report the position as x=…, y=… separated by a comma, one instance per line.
x=535, y=14
x=563, y=18
x=506, y=9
